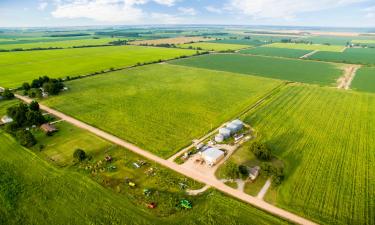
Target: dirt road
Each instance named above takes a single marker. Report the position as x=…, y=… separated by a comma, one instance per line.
x=345, y=81
x=184, y=171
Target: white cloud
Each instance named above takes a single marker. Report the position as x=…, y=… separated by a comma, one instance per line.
x=163, y=18
x=111, y=11
x=370, y=12
x=166, y=2
x=187, y=11
x=42, y=6
x=284, y=8
x=213, y=9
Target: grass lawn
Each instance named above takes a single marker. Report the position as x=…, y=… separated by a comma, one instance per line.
x=59, y=44
x=37, y=193
x=310, y=47
x=325, y=138
x=351, y=55
x=60, y=147
x=254, y=188
x=5, y=104
x=278, y=52
x=19, y=67
x=364, y=80
x=278, y=68
x=213, y=46
x=161, y=108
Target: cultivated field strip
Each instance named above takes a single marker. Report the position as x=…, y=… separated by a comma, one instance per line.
x=326, y=139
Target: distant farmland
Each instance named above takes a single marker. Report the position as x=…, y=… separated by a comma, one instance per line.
x=59, y=44
x=278, y=68
x=364, y=80
x=161, y=108
x=326, y=138
x=19, y=67
x=311, y=47
x=175, y=41
x=350, y=55
x=278, y=52
x=213, y=46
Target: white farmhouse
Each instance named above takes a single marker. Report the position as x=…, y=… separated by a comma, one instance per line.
x=212, y=156
x=6, y=119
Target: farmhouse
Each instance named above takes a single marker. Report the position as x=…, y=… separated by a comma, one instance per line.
x=254, y=172
x=6, y=119
x=48, y=128
x=212, y=156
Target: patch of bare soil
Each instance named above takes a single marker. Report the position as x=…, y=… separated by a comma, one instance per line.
x=345, y=81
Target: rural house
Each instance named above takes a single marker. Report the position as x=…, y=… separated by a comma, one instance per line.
x=254, y=172
x=48, y=128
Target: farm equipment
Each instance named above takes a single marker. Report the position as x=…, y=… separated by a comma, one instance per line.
x=147, y=192
x=108, y=158
x=111, y=168
x=152, y=205
x=131, y=184
x=186, y=204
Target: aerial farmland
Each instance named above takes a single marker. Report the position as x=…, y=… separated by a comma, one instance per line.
x=184, y=124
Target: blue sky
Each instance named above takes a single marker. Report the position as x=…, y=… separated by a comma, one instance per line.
x=342, y=13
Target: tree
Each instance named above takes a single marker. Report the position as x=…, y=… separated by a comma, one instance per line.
x=26, y=86
x=243, y=170
x=25, y=138
x=79, y=155
x=261, y=151
x=7, y=94
x=231, y=170
x=34, y=106
x=34, y=118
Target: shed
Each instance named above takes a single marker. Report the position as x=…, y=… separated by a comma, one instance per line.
x=233, y=128
x=225, y=132
x=6, y=119
x=212, y=156
x=254, y=172
x=219, y=138
x=48, y=128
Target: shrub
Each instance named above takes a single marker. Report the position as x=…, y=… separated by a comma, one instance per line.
x=25, y=138
x=79, y=155
x=231, y=170
x=243, y=170
x=7, y=94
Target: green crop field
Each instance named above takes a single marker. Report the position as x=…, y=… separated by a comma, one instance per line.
x=278, y=52
x=160, y=107
x=59, y=44
x=313, y=47
x=213, y=46
x=248, y=42
x=364, y=80
x=363, y=41
x=19, y=67
x=326, y=139
x=278, y=68
x=350, y=55
x=332, y=40
x=38, y=193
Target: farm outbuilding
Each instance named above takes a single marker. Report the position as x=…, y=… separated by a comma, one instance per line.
x=219, y=138
x=235, y=126
x=212, y=156
x=6, y=119
x=225, y=132
x=254, y=172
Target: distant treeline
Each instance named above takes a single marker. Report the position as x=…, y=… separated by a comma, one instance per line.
x=122, y=33
x=69, y=35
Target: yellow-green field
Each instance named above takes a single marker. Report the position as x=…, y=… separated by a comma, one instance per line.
x=312, y=47
x=19, y=67
x=213, y=46
x=363, y=41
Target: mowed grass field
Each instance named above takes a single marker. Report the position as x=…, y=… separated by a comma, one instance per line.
x=277, y=68
x=34, y=192
x=326, y=139
x=311, y=47
x=213, y=46
x=59, y=44
x=351, y=55
x=161, y=108
x=364, y=80
x=19, y=67
x=277, y=52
